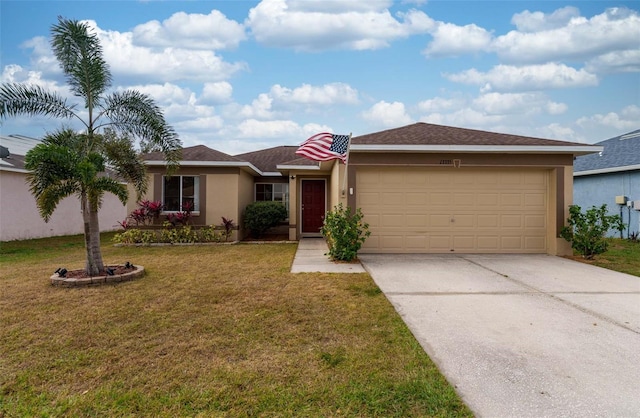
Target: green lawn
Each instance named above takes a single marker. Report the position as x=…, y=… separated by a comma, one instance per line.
x=209, y=331
x=622, y=255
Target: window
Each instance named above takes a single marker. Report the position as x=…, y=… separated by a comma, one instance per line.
x=181, y=190
x=276, y=192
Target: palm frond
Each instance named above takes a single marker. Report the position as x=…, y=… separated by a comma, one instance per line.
x=127, y=164
x=49, y=198
x=50, y=164
x=107, y=184
x=137, y=114
x=81, y=58
x=23, y=99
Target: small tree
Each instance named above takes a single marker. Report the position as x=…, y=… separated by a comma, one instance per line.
x=345, y=232
x=69, y=162
x=587, y=231
x=260, y=216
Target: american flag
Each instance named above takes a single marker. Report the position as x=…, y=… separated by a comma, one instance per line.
x=325, y=146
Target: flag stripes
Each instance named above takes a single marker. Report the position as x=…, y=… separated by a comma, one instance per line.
x=325, y=147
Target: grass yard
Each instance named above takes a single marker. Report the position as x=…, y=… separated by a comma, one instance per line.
x=209, y=331
x=623, y=255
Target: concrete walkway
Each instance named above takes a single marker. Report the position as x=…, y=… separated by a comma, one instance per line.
x=310, y=258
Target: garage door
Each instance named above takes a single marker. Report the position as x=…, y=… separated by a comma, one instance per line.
x=466, y=210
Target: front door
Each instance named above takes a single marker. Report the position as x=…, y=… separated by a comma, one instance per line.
x=313, y=205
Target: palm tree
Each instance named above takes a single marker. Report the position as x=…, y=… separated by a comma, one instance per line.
x=77, y=163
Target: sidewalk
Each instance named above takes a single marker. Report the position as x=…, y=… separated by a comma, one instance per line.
x=311, y=258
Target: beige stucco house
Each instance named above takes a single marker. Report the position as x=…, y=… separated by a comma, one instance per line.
x=423, y=188
x=19, y=216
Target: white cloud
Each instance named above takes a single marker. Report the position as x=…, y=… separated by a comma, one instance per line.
x=307, y=94
x=387, y=114
x=190, y=31
x=166, y=93
x=532, y=77
x=438, y=104
x=516, y=104
x=314, y=26
x=537, y=21
x=338, y=6
x=259, y=108
x=219, y=92
x=42, y=57
x=204, y=124
x=615, y=62
x=452, y=40
x=153, y=65
x=617, y=29
x=252, y=128
x=626, y=120
x=559, y=132
x=168, y=64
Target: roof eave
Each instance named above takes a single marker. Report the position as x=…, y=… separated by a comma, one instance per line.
x=606, y=170
x=511, y=149
x=298, y=167
x=13, y=169
x=239, y=164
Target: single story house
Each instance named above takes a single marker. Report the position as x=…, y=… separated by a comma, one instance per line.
x=19, y=215
x=613, y=173
x=423, y=188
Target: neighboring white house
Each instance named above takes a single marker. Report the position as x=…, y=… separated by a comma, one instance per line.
x=19, y=216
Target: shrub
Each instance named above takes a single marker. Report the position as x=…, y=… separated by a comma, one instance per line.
x=210, y=234
x=146, y=213
x=228, y=225
x=587, y=231
x=260, y=216
x=181, y=218
x=135, y=236
x=180, y=235
x=345, y=232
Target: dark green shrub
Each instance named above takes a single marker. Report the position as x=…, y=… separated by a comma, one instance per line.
x=587, y=231
x=260, y=216
x=345, y=232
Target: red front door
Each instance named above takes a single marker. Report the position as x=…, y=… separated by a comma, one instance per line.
x=313, y=205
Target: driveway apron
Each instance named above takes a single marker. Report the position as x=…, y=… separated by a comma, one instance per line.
x=522, y=335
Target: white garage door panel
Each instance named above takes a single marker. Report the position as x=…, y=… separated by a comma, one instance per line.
x=446, y=209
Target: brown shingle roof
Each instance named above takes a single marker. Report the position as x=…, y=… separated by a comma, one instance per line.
x=195, y=153
x=427, y=134
x=266, y=160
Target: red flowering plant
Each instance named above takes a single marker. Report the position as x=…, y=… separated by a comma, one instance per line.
x=145, y=214
x=181, y=218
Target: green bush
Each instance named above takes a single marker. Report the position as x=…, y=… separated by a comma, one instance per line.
x=587, y=231
x=211, y=234
x=135, y=236
x=260, y=216
x=345, y=232
x=178, y=235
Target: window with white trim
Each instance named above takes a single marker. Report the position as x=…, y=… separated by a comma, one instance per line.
x=178, y=191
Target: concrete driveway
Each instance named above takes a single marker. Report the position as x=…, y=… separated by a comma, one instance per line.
x=522, y=335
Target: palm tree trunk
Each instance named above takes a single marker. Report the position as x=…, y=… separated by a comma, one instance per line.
x=94, y=265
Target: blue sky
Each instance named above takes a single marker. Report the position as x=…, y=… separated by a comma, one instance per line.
x=239, y=76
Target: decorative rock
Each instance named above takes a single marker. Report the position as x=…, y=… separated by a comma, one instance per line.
x=97, y=280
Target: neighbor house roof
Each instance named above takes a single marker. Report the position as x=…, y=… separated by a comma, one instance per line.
x=17, y=147
x=426, y=137
x=620, y=153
